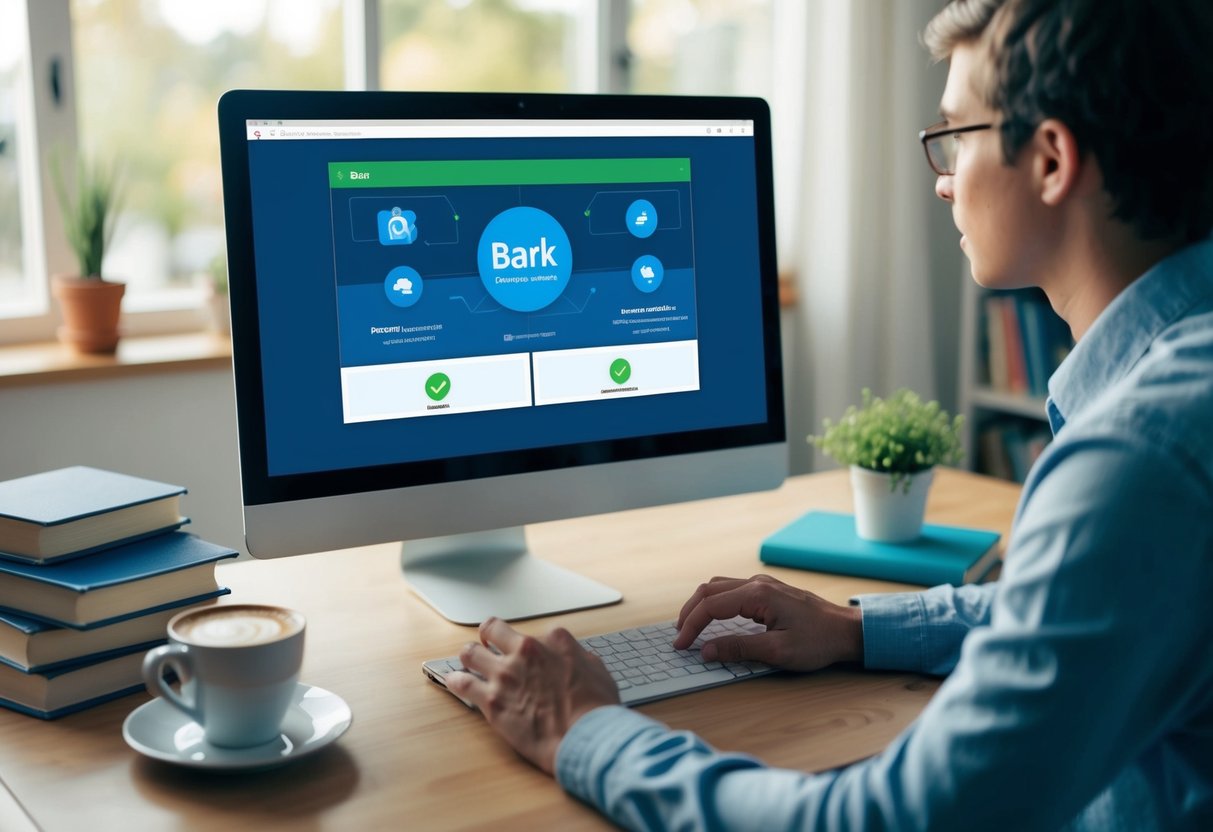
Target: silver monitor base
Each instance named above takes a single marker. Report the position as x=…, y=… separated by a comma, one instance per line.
x=469, y=577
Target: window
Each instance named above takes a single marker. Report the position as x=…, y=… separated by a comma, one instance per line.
x=16, y=289
x=701, y=47
x=135, y=82
x=486, y=45
x=148, y=76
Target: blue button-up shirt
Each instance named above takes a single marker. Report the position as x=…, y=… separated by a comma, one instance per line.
x=1080, y=685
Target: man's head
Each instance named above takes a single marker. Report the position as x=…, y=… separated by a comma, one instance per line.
x=1129, y=81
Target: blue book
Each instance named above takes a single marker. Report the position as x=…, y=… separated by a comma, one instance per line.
x=827, y=542
x=64, y=691
x=72, y=512
x=37, y=647
x=169, y=570
x=1032, y=313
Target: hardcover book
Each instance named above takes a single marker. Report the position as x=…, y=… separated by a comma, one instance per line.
x=169, y=570
x=77, y=511
x=37, y=647
x=53, y=694
x=826, y=541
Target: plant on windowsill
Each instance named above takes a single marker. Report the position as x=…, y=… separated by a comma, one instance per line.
x=90, y=304
x=892, y=446
x=220, y=306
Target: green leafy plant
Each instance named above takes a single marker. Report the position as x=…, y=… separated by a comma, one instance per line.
x=218, y=273
x=900, y=435
x=89, y=207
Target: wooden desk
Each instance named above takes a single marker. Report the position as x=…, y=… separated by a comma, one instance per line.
x=415, y=756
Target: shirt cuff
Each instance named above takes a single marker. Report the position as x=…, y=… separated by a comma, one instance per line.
x=893, y=626
x=592, y=744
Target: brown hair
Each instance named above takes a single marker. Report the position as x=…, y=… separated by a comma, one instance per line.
x=1132, y=79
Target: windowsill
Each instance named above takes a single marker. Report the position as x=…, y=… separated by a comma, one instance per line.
x=50, y=362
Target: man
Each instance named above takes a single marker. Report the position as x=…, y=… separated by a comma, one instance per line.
x=1076, y=154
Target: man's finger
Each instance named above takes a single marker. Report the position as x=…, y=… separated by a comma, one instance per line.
x=467, y=687
x=713, y=587
x=762, y=647
x=478, y=658
x=728, y=603
x=494, y=632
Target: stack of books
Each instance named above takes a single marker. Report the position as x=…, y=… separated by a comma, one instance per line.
x=92, y=566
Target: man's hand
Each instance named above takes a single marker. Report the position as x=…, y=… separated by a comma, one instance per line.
x=804, y=632
x=532, y=690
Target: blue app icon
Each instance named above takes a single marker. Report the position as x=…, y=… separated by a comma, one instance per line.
x=397, y=227
x=647, y=273
x=403, y=285
x=641, y=218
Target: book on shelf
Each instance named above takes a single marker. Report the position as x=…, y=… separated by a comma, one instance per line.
x=170, y=570
x=1035, y=347
x=1008, y=447
x=35, y=646
x=826, y=541
x=992, y=456
x=1017, y=372
x=66, y=690
x=77, y=511
x=996, y=343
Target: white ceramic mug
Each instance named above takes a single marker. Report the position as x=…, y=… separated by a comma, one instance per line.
x=238, y=665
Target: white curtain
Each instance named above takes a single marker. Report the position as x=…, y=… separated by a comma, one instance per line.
x=854, y=198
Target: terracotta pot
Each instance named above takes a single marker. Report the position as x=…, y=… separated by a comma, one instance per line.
x=221, y=315
x=90, y=312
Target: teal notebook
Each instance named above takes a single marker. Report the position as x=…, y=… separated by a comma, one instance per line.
x=826, y=542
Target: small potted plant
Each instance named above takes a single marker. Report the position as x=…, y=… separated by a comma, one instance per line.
x=219, y=306
x=892, y=446
x=90, y=304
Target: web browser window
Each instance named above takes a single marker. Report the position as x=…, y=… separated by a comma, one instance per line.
x=496, y=286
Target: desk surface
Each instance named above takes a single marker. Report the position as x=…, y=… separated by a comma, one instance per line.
x=414, y=754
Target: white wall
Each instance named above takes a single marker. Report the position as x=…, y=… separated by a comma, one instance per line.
x=174, y=427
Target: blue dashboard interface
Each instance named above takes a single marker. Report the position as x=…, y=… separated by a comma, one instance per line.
x=431, y=298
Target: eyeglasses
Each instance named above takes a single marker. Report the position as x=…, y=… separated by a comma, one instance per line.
x=942, y=144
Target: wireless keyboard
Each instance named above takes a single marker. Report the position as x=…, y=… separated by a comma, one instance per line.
x=646, y=667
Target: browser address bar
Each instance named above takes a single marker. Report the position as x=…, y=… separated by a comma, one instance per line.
x=425, y=131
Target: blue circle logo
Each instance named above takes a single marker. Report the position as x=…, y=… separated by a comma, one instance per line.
x=403, y=286
x=647, y=273
x=524, y=258
x=641, y=218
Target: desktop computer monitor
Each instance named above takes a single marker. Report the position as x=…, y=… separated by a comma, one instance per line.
x=454, y=314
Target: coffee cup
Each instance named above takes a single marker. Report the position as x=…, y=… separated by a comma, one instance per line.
x=238, y=666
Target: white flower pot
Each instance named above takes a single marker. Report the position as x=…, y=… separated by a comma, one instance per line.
x=885, y=514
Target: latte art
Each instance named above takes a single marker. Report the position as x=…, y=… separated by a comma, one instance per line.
x=237, y=627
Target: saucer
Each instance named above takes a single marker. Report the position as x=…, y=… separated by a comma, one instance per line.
x=315, y=719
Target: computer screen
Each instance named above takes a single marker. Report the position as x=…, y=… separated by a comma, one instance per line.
x=461, y=312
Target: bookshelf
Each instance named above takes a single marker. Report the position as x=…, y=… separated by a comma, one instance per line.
x=1011, y=342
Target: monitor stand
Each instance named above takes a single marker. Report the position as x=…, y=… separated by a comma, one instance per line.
x=469, y=577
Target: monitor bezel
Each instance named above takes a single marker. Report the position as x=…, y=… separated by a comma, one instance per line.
x=237, y=107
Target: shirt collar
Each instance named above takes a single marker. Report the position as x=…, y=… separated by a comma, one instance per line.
x=1124, y=331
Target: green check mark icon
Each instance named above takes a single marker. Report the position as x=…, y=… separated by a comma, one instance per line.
x=621, y=370
x=437, y=386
